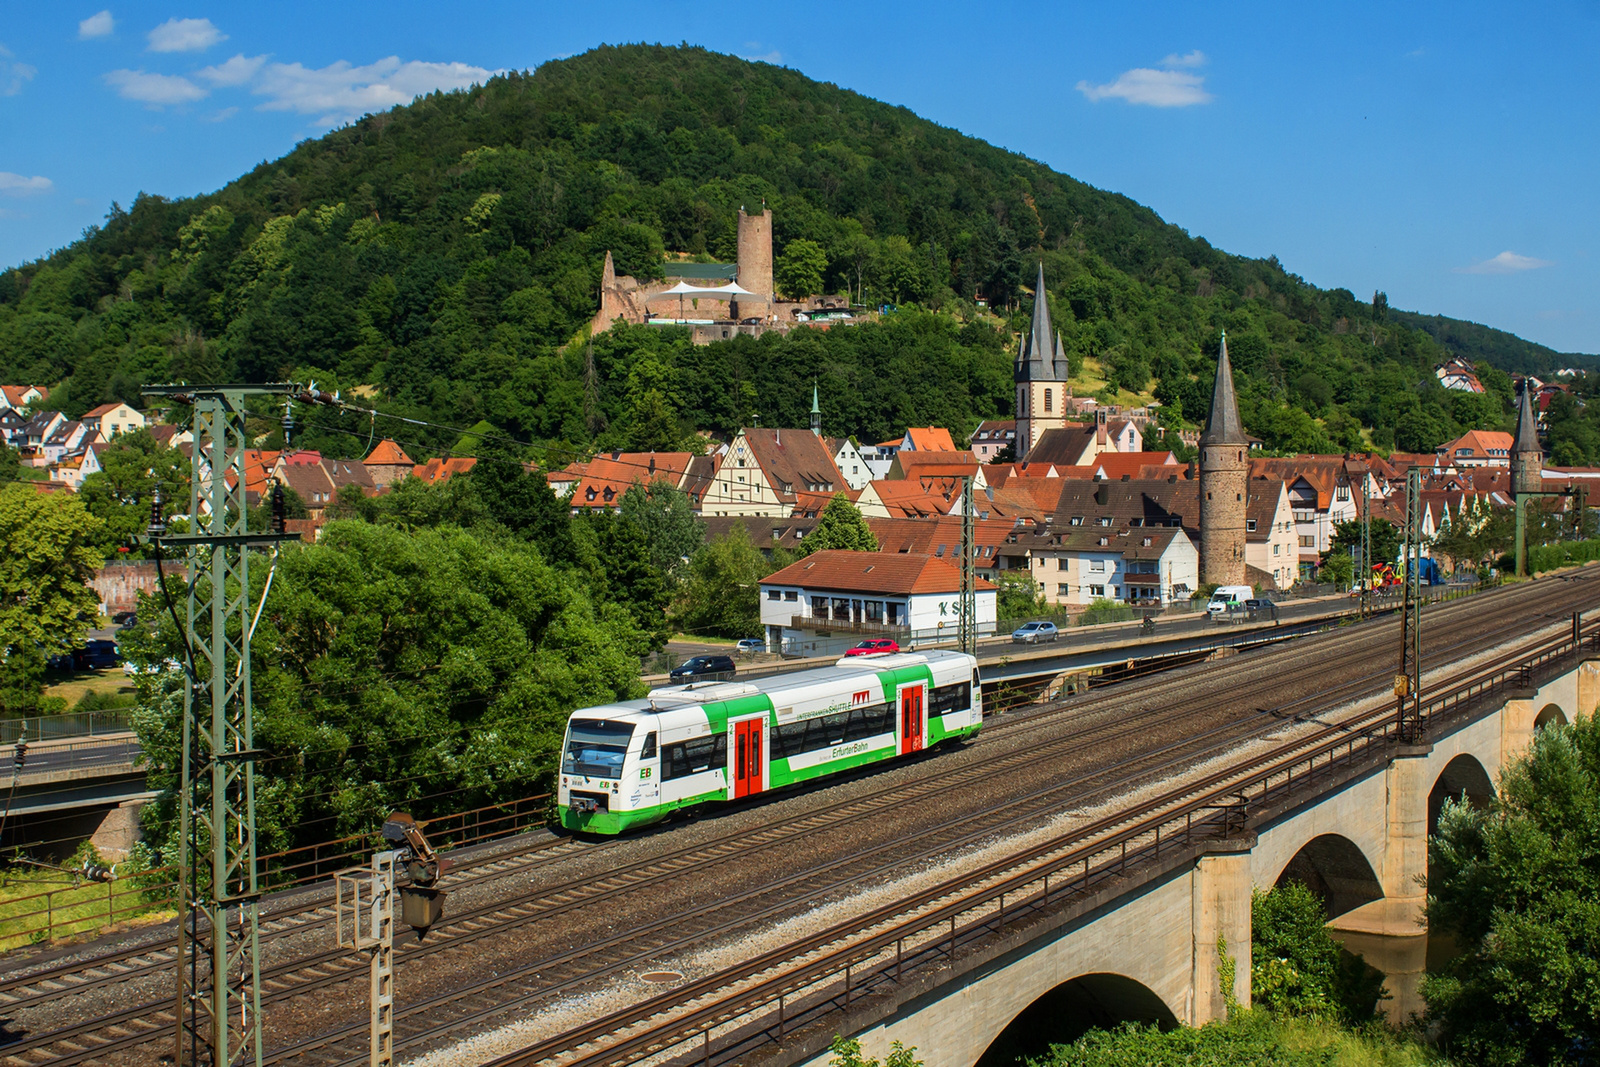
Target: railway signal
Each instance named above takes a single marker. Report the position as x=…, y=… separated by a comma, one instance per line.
x=366, y=898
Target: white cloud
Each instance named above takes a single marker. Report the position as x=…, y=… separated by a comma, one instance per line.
x=236, y=71
x=1505, y=263
x=1154, y=88
x=156, y=90
x=185, y=35
x=19, y=185
x=1195, y=58
x=13, y=75
x=341, y=93
x=221, y=116
x=99, y=25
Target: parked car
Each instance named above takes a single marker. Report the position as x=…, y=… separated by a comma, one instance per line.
x=92, y=656
x=750, y=646
x=873, y=646
x=1260, y=608
x=1031, y=633
x=125, y=618
x=703, y=668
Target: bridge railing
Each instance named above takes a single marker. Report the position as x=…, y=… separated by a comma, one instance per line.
x=66, y=724
x=857, y=956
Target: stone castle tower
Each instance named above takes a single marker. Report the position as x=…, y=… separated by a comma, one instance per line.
x=1224, y=482
x=1041, y=376
x=755, y=263
x=1527, y=459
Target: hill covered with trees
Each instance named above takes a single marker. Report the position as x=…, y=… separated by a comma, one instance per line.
x=444, y=258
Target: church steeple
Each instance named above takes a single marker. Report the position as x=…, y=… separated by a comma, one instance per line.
x=1036, y=361
x=1527, y=458
x=1223, y=427
x=816, y=412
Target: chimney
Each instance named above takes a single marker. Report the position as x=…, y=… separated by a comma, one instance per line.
x=1102, y=494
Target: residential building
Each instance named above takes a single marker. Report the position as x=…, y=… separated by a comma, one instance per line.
x=852, y=465
x=1076, y=444
x=608, y=476
x=441, y=469
x=38, y=430
x=18, y=397
x=13, y=428
x=764, y=468
x=108, y=420
x=1459, y=375
x=1076, y=566
x=1323, y=492
x=927, y=439
x=880, y=457
x=63, y=439
x=993, y=437
x=909, y=596
x=907, y=499
x=1478, y=448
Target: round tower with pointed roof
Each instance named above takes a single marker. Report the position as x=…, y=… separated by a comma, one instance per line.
x=1224, y=482
x=1527, y=458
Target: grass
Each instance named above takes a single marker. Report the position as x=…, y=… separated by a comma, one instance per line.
x=109, y=680
x=39, y=904
x=1250, y=1039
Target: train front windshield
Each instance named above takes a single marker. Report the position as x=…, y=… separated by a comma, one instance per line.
x=596, y=748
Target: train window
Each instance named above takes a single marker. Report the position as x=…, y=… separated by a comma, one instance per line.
x=949, y=698
x=649, y=746
x=825, y=731
x=695, y=756
x=596, y=747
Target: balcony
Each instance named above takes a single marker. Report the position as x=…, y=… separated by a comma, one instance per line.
x=825, y=626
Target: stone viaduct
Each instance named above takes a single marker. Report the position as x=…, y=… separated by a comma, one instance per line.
x=1148, y=950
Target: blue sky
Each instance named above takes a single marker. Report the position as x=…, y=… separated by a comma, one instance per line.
x=1448, y=154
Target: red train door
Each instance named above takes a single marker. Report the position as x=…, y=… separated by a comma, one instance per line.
x=747, y=761
x=911, y=719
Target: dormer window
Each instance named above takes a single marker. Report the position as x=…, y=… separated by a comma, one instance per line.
x=589, y=493
x=1104, y=520
x=609, y=494
x=1250, y=525
x=1077, y=520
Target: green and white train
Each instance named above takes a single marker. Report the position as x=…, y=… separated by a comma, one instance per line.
x=635, y=762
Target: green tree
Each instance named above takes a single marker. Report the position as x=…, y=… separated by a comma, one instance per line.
x=1518, y=887
x=630, y=578
x=1296, y=968
x=426, y=669
x=1338, y=568
x=132, y=466
x=1019, y=595
x=1347, y=535
x=723, y=595
x=523, y=502
x=663, y=512
x=52, y=551
x=840, y=526
x=798, y=271
x=10, y=464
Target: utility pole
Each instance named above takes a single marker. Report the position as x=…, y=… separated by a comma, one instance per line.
x=969, y=596
x=1408, y=683
x=219, y=965
x=1365, y=574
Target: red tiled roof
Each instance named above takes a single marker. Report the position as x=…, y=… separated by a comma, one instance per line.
x=901, y=574
x=439, y=470
x=930, y=439
x=793, y=460
x=608, y=477
x=388, y=453
x=95, y=413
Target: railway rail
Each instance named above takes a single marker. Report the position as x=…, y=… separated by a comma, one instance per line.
x=551, y=975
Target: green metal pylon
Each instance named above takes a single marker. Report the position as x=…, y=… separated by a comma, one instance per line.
x=219, y=967
x=969, y=595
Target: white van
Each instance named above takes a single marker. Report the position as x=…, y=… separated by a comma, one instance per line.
x=1229, y=598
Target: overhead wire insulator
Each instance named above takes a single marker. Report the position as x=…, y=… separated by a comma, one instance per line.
x=158, y=524
x=280, y=509
x=288, y=424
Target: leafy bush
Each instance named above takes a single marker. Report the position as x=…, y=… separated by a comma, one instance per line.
x=1249, y=1039
x=1296, y=968
x=1102, y=610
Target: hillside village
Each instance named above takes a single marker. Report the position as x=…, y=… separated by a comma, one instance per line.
x=1066, y=491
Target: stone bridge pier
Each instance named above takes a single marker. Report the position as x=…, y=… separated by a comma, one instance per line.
x=1175, y=948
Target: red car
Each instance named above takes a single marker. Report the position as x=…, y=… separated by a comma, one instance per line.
x=873, y=647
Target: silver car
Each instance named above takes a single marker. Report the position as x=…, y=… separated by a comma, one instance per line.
x=1031, y=633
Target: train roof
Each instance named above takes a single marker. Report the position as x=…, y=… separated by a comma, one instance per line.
x=713, y=692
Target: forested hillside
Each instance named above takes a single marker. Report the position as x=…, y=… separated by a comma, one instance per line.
x=446, y=257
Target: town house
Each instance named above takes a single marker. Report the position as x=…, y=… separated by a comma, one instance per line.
x=764, y=469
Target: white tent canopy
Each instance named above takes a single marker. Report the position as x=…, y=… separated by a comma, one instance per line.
x=685, y=289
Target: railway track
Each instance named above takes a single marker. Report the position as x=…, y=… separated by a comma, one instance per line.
x=103, y=1035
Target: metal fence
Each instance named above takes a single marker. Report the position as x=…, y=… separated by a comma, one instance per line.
x=67, y=724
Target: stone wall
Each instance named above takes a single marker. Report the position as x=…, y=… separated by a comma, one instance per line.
x=118, y=585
